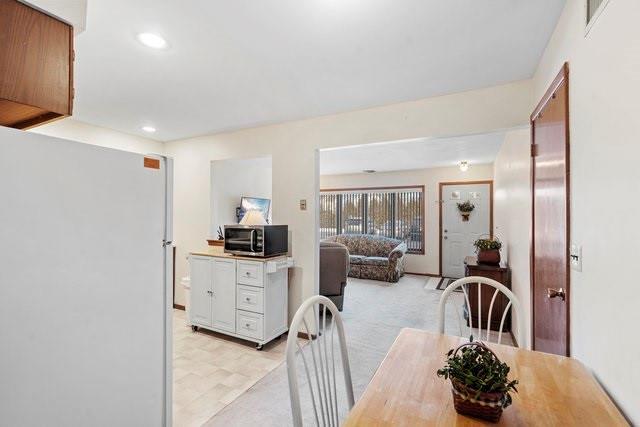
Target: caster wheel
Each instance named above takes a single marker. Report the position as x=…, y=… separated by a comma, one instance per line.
x=259, y=347
x=194, y=328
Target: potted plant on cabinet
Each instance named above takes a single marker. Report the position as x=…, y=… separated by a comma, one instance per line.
x=488, y=250
x=479, y=382
x=465, y=209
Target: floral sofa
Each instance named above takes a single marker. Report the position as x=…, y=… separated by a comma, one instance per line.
x=373, y=257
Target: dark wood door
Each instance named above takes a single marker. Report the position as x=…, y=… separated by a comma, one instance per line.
x=550, y=236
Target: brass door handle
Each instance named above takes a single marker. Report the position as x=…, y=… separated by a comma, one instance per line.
x=556, y=293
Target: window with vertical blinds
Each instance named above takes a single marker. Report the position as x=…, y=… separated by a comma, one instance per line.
x=397, y=213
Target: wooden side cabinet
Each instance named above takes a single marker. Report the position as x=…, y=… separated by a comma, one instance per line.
x=499, y=273
x=36, y=66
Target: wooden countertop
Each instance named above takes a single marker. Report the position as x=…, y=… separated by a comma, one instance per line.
x=553, y=390
x=218, y=252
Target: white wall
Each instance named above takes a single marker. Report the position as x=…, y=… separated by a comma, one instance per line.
x=512, y=217
x=429, y=262
x=75, y=130
x=293, y=147
x=604, y=93
x=230, y=180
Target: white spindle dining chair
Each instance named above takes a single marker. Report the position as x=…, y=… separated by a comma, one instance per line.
x=494, y=286
x=318, y=361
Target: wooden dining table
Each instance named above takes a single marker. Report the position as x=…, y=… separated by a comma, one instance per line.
x=552, y=390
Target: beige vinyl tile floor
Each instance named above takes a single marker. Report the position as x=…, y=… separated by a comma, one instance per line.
x=211, y=370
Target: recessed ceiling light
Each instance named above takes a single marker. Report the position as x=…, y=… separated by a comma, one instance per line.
x=464, y=166
x=149, y=129
x=152, y=40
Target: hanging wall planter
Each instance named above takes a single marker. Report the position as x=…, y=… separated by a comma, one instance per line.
x=465, y=209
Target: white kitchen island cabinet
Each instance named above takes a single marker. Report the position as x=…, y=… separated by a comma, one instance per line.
x=243, y=298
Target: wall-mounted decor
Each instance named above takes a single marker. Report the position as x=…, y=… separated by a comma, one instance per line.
x=465, y=209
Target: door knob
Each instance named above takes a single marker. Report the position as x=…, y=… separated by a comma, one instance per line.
x=445, y=237
x=556, y=293
x=446, y=230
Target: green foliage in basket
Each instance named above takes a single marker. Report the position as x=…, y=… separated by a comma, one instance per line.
x=487, y=244
x=466, y=207
x=479, y=369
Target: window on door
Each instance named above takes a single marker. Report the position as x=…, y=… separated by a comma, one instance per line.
x=397, y=213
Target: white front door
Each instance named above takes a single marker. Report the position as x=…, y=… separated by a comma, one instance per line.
x=458, y=235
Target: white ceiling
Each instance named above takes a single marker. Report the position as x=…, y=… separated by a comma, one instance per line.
x=240, y=63
x=413, y=154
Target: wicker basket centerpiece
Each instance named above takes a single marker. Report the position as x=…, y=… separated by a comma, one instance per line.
x=480, y=386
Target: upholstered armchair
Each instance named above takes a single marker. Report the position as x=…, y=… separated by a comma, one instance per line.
x=334, y=267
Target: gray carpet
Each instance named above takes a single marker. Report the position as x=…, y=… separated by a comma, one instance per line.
x=374, y=313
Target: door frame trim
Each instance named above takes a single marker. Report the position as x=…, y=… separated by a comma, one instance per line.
x=561, y=77
x=442, y=184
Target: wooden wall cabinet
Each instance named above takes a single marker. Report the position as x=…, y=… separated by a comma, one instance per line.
x=36, y=66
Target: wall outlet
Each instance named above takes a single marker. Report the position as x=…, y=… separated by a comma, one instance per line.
x=575, y=254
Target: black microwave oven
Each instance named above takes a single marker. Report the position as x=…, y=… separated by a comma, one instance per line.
x=256, y=240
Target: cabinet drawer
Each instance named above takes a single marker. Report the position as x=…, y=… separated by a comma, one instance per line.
x=250, y=273
x=249, y=324
x=250, y=298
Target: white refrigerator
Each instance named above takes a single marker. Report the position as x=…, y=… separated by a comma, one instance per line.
x=85, y=284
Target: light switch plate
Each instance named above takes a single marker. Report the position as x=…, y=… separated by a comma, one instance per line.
x=576, y=257
x=303, y=205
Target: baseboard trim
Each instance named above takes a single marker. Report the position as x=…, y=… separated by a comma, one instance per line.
x=178, y=307
x=305, y=336
x=423, y=274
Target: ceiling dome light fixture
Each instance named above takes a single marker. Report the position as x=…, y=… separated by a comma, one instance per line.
x=152, y=40
x=149, y=129
x=464, y=166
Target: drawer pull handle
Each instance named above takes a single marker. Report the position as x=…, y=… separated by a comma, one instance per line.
x=248, y=274
x=247, y=325
x=248, y=299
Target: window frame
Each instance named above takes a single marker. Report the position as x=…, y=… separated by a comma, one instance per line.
x=398, y=188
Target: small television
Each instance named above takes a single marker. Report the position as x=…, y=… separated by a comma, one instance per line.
x=254, y=203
